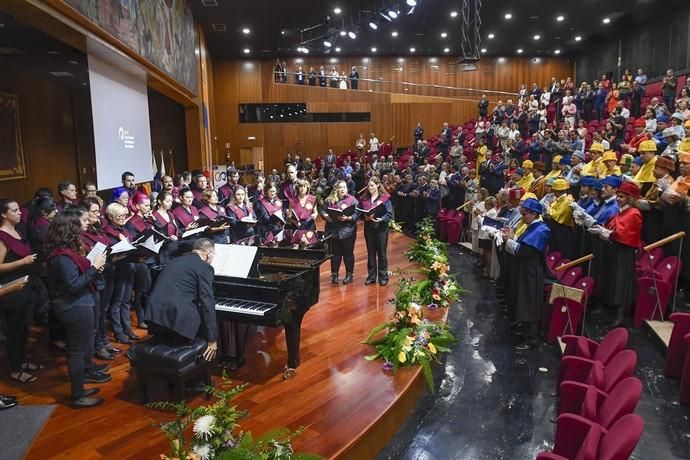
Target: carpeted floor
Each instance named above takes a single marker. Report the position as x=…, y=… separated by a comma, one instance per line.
x=18, y=428
x=493, y=402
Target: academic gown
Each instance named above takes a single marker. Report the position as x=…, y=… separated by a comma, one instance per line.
x=623, y=245
x=527, y=258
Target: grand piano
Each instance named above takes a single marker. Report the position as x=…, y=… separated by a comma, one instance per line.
x=282, y=285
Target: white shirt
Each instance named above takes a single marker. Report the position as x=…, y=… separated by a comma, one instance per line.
x=374, y=144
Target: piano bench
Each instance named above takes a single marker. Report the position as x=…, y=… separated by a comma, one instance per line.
x=157, y=361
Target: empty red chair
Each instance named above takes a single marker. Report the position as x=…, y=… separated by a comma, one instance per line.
x=595, y=373
x=685, y=378
x=455, y=228
x=571, y=276
x=647, y=262
x=566, y=315
x=616, y=340
x=581, y=439
x=654, y=291
x=597, y=406
x=677, y=348
x=560, y=273
x=442, y=217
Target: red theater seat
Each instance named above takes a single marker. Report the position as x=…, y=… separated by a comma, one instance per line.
x=677, y=348
x=604, y=377
x=615, y=341
x=597, y=406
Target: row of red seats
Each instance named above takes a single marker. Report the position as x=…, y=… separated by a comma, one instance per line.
x=597, y=397
x=656, y=281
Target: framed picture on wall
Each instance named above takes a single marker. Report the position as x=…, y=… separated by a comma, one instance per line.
x=12, y=164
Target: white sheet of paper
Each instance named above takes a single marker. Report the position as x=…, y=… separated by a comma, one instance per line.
x=96, y=251
x=233, y=260
x=122, y=246
x=150, y=244
x=194, y=231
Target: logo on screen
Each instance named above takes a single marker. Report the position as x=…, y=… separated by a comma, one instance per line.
x=126, y=138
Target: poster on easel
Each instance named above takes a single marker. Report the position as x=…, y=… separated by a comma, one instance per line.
x=219, y=176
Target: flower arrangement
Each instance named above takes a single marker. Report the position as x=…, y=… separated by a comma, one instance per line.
x=216, y=434
x=395, y=226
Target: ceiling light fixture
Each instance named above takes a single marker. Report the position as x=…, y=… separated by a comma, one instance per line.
x=537, y=37
x=337, y=10
x=247, y=51
x=578, y=38
x=453, y=14
x=519, y=51
x=394, y=34
x=411, y=2
x=373, y=25
x=444, y=35
x=246, y=31
x=337, y=49
x=373, y=49
x=446, y=50
x=491, y=36
x=412, y=50
x=560, y=18
x=327, y=44
x=556, y=51
x=343, y=33
x=508, y=16
x=606, y=20
x=393, y=14
x=483, y=50
x=352, y=35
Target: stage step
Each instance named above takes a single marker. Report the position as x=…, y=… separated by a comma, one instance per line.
x=660, y=333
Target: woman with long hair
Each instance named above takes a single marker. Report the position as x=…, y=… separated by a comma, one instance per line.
x=72, y=278
x=241, y=215
x=165, y=219
x=105, y=283
x=17, y=260
x=302, y=216
x=343, y=230
x=378, y=212
x=186, y=214
x=140, y=222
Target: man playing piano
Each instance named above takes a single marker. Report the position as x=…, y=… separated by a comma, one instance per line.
x=182, y=305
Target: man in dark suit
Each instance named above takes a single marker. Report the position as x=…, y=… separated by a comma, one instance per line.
x=182, y=305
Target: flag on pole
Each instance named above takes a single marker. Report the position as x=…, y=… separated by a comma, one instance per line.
x=157, y=185
x=162, y=168
x=172, y=166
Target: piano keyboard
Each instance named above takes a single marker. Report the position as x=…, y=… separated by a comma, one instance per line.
x=246, y=307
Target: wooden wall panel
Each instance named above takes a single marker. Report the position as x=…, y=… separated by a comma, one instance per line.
x=47, y=132
x=394, y=112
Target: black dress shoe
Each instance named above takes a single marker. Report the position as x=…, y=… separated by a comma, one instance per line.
x=102, y=368
x=123, y=340
x=7, y=404
x=383, y=282
x=85, y=402
x=104, y=355
x=132, y=335
x=97, y=377
x=8, y=399
x=347, y=279
x=91, y=392
x=368, y=282
x=112, y=349
x=334, y=279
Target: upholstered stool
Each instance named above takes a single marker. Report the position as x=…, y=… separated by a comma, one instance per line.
x=159, y=361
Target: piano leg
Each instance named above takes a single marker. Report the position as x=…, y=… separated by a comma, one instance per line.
x=293, y=330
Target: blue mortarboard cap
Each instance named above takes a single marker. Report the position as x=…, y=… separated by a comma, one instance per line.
x=532, y=205
x=565, y=161
x=663, y=119
x=638, y=161
x=587, y=181
x=597, y=185
x=613, y=181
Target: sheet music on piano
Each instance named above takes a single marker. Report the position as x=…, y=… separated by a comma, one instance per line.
x=234, y=260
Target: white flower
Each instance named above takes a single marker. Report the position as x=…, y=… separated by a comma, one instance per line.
x=415, y=306
x=204, y=450
x=203, y=426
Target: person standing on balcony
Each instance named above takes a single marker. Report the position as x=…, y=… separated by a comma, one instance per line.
x=354, y=78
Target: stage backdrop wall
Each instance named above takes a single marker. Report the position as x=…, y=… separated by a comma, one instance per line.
x=393, y=114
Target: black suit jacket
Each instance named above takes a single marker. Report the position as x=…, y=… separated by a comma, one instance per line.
x=182, y=299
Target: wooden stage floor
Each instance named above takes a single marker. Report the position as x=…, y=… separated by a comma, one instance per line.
x=348, y=406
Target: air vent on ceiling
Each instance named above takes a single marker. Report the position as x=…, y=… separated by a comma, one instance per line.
x=209, y=2
x=10, y=51
x=219, y=27
x=61, y=74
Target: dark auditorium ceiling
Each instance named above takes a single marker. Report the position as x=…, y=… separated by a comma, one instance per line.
x=274, y=26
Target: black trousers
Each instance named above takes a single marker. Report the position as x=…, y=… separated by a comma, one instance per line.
x=16, y=316
x=376, y=237
x=121, y=304
x=78, y=321
x=142, y=287
x=344, y=251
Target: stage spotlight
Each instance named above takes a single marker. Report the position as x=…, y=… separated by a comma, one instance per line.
x=352, y=35
x=412, y=2
x=373, y=25
x=393, y=14
x=343, y=33
x=327, y=44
